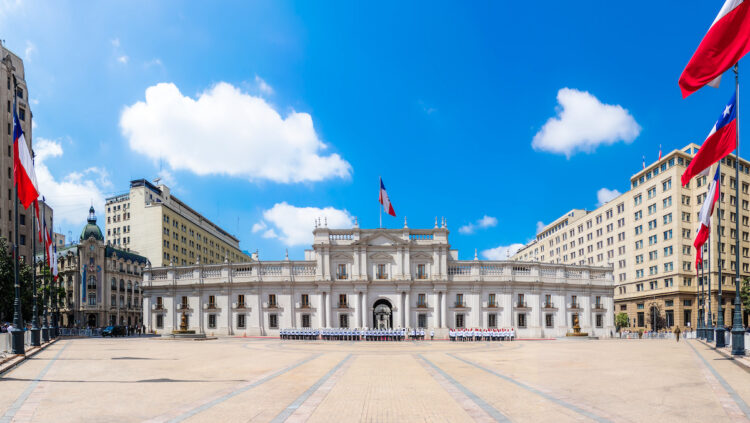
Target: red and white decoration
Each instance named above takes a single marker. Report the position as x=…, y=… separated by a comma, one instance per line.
x=23, y=166
x=727, y=40
x=704, y=216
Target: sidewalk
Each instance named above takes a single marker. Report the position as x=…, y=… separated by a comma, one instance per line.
x=11, y=361
x=742, y=361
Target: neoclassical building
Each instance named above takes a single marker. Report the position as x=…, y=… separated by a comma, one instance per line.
x=102, y=283
x=380, y=278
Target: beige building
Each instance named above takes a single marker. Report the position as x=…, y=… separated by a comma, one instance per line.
x=102, y=283
x=151, y=221
x=646, y=235
x=7, y=195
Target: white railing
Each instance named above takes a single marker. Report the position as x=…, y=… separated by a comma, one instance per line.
x=459, y=270
x=270, y=270
x=159, y=276
x=337, y=237
x=303, y=270
x=421, y=237
x=185, y=274
x=521, y=270
x=545, y=271
x=491, y=270
x=242, y=271
x=573, y=274
x=211, y=273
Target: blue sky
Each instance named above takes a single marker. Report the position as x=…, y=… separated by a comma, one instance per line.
x=262, y=115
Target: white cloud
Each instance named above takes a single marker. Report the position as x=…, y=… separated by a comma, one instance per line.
x=502, y=252
x=70, y=196
x=123, y=59
x=539, y=226
x=583, y=123
x=483, y=223
x=296, y=224
x=29, y=51
x=605, y=195
x=263, y=87
x=228, y=132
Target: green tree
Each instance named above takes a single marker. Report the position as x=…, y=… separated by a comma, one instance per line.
x=622, y=320
x=7, y=290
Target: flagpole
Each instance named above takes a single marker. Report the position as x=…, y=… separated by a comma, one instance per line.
x=35, y=330
x=45, y=294
x=720, y=318
x=738, y=334
x=380, y=203
x=17, y=335
x=54, y=298
x=710, y=326
x=702, y=300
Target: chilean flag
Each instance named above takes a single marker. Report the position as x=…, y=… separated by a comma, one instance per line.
x=23, y=166
x=385, y=201
x=704, y=216
x=38, y=223
x=727, y=40
x=720, y=141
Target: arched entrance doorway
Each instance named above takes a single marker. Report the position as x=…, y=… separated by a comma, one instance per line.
x=92, y=320
x=382, y=314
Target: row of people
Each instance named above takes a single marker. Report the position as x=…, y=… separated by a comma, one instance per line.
x=354, y=334
x=505, y=334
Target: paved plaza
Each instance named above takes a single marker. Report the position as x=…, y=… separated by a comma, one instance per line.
x=243, y=379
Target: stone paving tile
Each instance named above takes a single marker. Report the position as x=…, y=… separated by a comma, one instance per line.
x=516, y=403
x=124, y=380
x=392, y=388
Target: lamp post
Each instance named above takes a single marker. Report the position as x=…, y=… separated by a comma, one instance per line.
x=36, y=335
x=710, y=326
x=17, y=346
x=720, y=343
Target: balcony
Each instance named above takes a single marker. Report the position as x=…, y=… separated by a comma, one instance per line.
x=240, y=306
x=272, y=305
x=183, y=307
x=381, y=276
x=421, y=276
x=522, y=304
x=211, y=306
x=599, y=307
x=459, y=304
x=492, y=304
x=549, y=305
x=421, y=305
x=304, y=305
x=343, y=305
x=342, y=276
x=576, y=305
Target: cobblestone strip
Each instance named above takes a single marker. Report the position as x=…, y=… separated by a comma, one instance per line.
x=733, y=404
x=222, y=396
x=299, y=410
x=558, y=401
x=28, y=412
x=476, y=407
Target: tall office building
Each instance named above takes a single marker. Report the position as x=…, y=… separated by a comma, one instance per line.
x=646, y=234
x=7, y=193
x=154, y=223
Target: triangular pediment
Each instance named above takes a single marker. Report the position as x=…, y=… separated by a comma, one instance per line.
x=380, y=239
x=381, y=256
x=342, y=256
x=421, y=256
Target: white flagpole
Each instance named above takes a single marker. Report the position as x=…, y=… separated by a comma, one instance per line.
x=380, y=203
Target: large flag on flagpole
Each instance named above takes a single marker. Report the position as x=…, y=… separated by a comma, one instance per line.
x=385, y=201
x=23, y=165
x=727, y=40
x=704, y=216
x=720, y=141
x=38, y=223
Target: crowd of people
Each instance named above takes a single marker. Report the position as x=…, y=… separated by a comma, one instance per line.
x=401, y=334
x=464, y=335
x=356, y=334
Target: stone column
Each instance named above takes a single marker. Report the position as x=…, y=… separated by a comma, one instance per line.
x=443, y=310
x=357, y=311
x=407, y=310
x=402, y=308
x=328, y=310
x=321, y=311
x=365, y=311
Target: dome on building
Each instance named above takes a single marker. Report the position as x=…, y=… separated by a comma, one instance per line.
x=91, y=228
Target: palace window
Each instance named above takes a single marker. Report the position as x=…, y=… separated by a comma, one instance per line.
x=460, y=301
x=305, y=320
x=159, y=321
x=211, y=301
x=273, y=321
x=240, y=321
x=342, y=303
x=599, y=320
x=549, y=320
x=272, y=300
x=459, y=320
x=212, y=321
x=421, y=301
x=491, y=301
x=492, y=320
x=341, y=273
x=521, y=320
x=241, y=301
x=381, y=272
x=421, y=272
x=343, y=320
x=422, y=320
x=305, y=303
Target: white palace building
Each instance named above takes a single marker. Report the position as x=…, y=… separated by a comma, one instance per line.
x=392, y=278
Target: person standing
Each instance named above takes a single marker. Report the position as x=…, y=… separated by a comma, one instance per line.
x=677, y=333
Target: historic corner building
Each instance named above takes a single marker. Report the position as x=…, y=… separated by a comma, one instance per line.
x=102, y=283
x=387, y=278
x=647, y=235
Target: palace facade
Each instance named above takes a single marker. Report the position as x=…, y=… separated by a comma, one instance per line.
x=387, y=278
